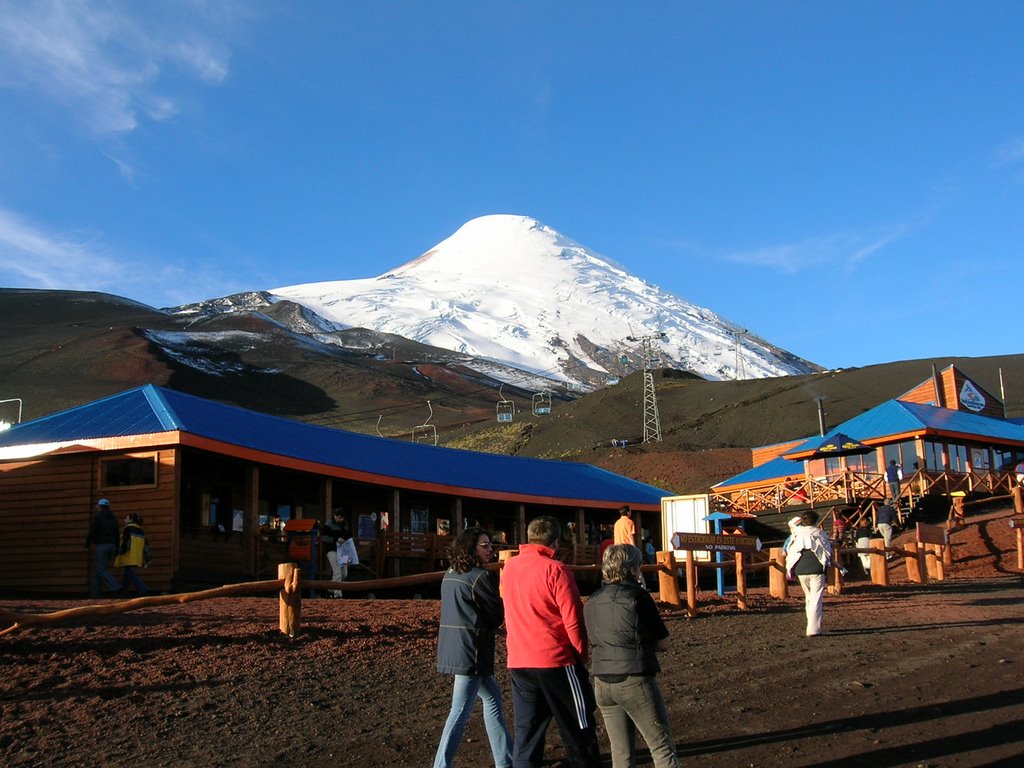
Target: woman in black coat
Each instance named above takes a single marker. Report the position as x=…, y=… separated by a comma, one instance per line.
x=626, y=632
x=471, y=611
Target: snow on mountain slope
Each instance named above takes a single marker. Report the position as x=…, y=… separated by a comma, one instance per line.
x=509, y=289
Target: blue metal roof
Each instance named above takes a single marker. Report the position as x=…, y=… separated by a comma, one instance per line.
x=896, y=417
x=776, y=469
x=151, y=409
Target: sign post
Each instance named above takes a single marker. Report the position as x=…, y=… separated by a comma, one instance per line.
x=719, y=544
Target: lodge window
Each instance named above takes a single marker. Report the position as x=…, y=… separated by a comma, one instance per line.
x=980, y=459
x=132, y=470
x=904, y=453
x=933, y=455
x=958, y=458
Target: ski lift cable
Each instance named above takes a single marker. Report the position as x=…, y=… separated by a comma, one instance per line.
x=356, y=416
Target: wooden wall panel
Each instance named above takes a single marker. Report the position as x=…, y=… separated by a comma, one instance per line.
x=766, y=453
x=46, y=507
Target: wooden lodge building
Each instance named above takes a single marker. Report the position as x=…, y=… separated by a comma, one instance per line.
x=948, y=435
x=220, y=488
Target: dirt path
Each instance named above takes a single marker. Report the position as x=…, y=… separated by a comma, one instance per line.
x=914, y=675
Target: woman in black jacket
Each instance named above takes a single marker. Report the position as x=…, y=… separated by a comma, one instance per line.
x=471, y=610
x=625, y=633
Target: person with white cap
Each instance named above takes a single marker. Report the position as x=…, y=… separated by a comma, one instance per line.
x=808, y=553
x=103, y=536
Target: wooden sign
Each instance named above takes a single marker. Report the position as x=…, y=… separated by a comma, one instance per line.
x=1017, y=521
x=931, y=534
x=710, y=542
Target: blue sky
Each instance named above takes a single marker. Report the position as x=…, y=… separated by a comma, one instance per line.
x=844, y=179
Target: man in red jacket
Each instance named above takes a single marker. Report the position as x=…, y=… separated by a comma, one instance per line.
x=547, y=651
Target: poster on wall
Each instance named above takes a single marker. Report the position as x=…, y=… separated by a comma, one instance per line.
x=420, y=519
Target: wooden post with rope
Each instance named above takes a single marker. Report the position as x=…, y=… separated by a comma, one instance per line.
x=503, y=557
x=777, y=586
x=691, y=584
x=668, y=584
x=917, y=568
x=741, y=582
x=879, y=564
x=290, y=598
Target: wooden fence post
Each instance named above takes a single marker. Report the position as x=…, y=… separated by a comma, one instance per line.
x=936, y=568
x=834, y=578
x=777, y=586
x=691, y=584
x=946, y=551
x=741, y=582
x=917, y=568
x=879, y=566
x=290, y=598
x=668, y=581
x=503, y=557
x=1018, y=499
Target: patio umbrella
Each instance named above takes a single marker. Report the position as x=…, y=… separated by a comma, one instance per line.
x=839, y=445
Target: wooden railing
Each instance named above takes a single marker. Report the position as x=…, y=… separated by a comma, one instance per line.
x=852, y=488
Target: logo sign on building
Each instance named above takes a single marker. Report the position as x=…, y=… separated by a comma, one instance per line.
x=970, y=397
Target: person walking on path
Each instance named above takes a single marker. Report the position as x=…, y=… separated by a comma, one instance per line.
x=547, y=652
x=808, y=554
x=626, y=631
x=132, y=555
x=885, y=516
x=336, y=532
x=625, y=528
x=103, y=535
x=471, y=611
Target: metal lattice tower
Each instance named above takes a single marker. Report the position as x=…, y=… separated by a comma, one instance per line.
x=741, y=371
x=652, y=421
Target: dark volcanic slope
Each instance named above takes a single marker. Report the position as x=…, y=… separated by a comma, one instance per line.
x=61, y=348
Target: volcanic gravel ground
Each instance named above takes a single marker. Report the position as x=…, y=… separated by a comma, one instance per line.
x=915, y=675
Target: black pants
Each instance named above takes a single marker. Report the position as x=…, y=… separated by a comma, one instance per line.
x=560, y=693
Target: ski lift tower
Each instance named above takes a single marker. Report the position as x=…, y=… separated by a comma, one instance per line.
x=741, y=371
x=652, y=421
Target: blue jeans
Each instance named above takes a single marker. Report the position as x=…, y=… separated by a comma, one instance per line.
x=131, y=578
x=101, y=576
x=465, y=691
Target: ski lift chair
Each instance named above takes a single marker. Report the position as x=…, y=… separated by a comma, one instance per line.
x=541, y=403
x=506, y=408
x=426, y=432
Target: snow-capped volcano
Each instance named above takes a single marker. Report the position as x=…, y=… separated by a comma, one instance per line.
x=510, y=289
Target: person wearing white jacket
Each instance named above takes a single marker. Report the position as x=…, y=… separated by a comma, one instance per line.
x=808, y=554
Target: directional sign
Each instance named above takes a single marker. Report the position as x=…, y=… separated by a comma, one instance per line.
x=710, y=542
x=931, y=534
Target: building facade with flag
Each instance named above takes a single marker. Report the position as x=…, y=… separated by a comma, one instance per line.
x=948, y=435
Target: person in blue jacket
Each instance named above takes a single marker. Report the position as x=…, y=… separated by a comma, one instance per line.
x=103, y=535
x=471, y=611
